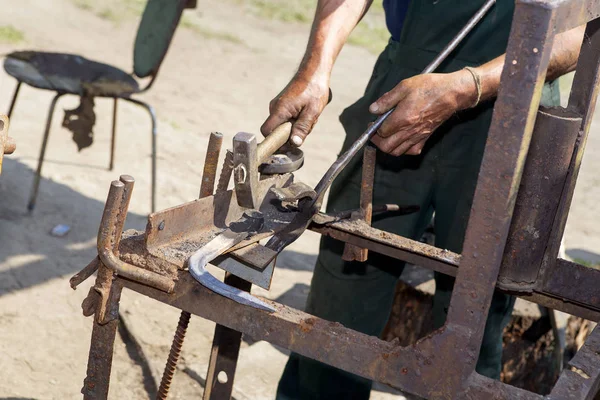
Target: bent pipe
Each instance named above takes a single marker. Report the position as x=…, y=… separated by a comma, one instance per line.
x=109, y=236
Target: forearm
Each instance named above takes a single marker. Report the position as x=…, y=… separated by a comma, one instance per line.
x=333, y=23
x=565, y=53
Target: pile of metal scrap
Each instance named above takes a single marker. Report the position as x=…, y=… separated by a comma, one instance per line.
x=536, y=169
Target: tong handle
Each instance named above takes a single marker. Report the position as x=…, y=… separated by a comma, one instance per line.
x=274, y=141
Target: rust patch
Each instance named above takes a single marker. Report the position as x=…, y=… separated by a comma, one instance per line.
x=306, y=325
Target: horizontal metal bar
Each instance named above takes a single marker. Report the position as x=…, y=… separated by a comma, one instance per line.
x=567, y=296
x=362, y=235
x=574, y=282
x=572, y=13
x=568, y=13
x=416, y=369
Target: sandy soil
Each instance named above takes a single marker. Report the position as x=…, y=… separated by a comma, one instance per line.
x=206, y=83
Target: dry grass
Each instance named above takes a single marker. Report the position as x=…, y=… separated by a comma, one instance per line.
x=371, y=33
x=11, y=35
x=189, y=23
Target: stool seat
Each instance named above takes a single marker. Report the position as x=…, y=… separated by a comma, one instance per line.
x=69, y=73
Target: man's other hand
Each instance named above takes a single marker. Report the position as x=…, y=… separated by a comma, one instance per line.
x=301, y=102
x=422, y=103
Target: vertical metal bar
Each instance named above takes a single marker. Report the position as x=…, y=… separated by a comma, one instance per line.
x=174, y=353
x=523, y=76
x=224, y=353
x=14, y=99
x=582, y=101
x=351, y=252
x=113, y=136
x=38, y=173
x=552, y=144
x=210, y=164
x=97, y=381
x=226, y=172
x=150, y=110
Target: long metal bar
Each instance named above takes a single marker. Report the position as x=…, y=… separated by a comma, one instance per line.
x=406, y=368
x=345, y=158
x=14, y=99
x=113, y=137
x=507, y=144
x=38, y=173
x=582, y=301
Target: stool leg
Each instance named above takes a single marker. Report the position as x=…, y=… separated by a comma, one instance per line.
x=113, y=137
x=38, y=173
x=154, y=146
x=14, y=99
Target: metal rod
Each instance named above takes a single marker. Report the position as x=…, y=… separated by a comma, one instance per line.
x=113, y=136
x=345, y=158
x=351, y=252
x=174, y=353
x=150, y=110
x=14, y=99
x=38, y=172
x=210, y=164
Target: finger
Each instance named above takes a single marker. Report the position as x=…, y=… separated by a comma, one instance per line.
x=405, y=146
x=274, y=120
x=390, y=143
x=389, y=99
x=303, y=125
x=417, y=149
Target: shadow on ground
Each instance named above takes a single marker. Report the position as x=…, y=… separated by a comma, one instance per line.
x=29, y=254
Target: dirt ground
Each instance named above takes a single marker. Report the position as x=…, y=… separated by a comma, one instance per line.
x=209, y=81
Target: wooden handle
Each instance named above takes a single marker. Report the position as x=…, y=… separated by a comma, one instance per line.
x=274, y=141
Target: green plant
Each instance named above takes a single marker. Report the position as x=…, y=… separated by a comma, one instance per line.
x=10, y=34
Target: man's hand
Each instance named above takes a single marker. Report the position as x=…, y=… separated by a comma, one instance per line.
x=422, y=103
x=301, y=102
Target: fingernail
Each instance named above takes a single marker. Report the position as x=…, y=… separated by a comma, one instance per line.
x=374, y=108
x=297, y=140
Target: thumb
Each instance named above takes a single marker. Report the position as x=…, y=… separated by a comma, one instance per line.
x=388, y=100
x=303, y=126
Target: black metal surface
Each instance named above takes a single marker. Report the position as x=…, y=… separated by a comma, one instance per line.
x=69, y=73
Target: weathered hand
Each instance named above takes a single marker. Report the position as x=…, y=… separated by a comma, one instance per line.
x=301, y=102
x=422, y=103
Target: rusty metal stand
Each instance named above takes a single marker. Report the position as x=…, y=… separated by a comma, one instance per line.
x=516, y=160
x=224, y=353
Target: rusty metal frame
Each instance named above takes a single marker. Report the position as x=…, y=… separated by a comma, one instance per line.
x=421, y=368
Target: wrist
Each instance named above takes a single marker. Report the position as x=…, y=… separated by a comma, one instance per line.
x=315, y=68
x=468, y=89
